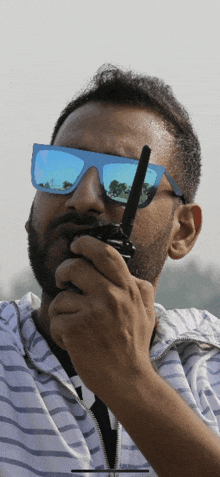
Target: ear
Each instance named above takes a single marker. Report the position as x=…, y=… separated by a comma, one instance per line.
x=187, y=225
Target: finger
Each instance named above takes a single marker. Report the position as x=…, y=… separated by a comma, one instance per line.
x=82, y=274
x=147, y=293
x=66, y=302
x=64, y=312
x=146, y=290
x=104, y=257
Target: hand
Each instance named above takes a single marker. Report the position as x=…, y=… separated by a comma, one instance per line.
x=107, y=330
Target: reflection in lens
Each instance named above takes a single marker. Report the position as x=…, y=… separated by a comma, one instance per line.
x=118, y=190
x=56, y=169
x=118, y=179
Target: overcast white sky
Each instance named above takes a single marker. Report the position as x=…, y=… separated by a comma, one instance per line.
x=49, y=49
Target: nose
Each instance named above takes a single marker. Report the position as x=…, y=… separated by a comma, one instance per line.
x=87, y=197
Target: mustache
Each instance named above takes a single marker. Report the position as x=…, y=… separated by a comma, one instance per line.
x=75, y=219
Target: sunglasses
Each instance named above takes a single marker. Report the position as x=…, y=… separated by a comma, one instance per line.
x=58, y=170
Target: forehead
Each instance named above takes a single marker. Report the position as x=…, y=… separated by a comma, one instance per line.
x=117, y=129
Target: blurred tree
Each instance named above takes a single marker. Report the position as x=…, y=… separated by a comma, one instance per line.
x=47, y=185
x=21, y=283
x=116, y=188
x=146, y=187
x=67, y=184
x=189, y=286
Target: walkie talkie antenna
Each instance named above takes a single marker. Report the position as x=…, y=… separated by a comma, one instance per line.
x=136, y=190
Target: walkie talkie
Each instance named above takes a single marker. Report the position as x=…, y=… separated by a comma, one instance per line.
x=117, y=235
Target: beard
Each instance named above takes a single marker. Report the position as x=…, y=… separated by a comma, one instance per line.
x=149, y=260
x=146, y=264
x=44, y=259
x=38, y=259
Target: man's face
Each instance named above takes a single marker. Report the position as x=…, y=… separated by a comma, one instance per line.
x=112, y=129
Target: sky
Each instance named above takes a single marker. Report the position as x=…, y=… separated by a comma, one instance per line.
x=50, y=49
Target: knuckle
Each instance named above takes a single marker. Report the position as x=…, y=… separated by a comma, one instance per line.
x=132, y=292
x=115, y=299
x=66, y=270
x=109, y=253
x=62, y=269
x=75, y=264
x=81, y=243
x=54, y=310
x=59, y=302
x=144, y=286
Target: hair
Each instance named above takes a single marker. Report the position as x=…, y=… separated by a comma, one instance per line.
x=113, y=85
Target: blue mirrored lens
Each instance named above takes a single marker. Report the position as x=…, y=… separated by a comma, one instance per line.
x=148, y=185
x=56, y=170
x=118, y=179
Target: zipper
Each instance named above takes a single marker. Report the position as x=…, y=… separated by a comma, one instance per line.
x=178, y=340
x=76, y=397
x=117, y=450
x=80, y=402
x=111, y=474
x=97, y=428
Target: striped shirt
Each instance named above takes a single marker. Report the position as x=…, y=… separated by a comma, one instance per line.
x=47, y=431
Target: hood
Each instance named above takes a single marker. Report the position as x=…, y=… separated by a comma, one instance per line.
x=179, y=325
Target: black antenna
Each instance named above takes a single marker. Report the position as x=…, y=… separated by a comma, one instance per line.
x=136, y=190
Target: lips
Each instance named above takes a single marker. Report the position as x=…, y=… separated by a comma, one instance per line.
x=71, y=230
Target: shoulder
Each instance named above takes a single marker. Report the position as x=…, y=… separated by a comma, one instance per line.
x=12, y=313
x=188, y=323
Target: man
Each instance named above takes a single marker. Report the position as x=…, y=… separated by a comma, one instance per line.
x=96, y=375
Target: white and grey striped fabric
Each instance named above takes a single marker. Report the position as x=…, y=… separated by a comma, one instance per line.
x=46, y=431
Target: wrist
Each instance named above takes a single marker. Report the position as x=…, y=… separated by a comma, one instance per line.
x=127, y=385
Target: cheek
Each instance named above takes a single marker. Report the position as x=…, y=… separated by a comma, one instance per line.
x=114, y=213
x=150, y=222
x=46, y=207
x=143, y=227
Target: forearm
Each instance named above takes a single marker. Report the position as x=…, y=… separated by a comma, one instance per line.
x=106, y=332
x=169, y=434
